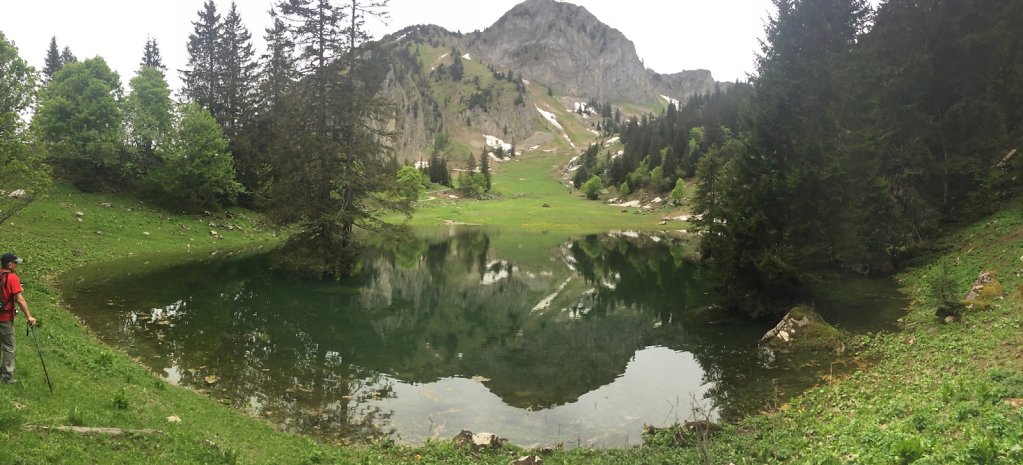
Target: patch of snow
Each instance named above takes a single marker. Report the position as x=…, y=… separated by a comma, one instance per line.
x=534, y=148
x=467, y=57
x=443, y=56
x=595, y=132
x=421, y=165
x=494, y=276
x=613, y=140
x=550, y=117
x=494, y=142
x=547, y=301
x=669, y=100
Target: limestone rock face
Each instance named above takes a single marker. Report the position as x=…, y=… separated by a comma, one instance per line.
x=567, y=47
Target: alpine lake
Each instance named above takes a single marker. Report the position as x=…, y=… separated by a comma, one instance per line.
x=540, y=338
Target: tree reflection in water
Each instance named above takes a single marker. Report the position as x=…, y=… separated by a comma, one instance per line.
x=543, y=329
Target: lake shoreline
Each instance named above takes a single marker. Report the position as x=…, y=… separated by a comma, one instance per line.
x=871, y=414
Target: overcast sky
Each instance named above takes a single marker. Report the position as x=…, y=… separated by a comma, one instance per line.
x=670, y=35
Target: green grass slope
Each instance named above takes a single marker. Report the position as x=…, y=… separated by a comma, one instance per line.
x=931, y=393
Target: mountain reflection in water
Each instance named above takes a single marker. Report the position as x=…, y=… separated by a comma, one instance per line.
x=581, y=341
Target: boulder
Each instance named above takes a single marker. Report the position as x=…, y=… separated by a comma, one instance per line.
x=527, y=460
x=477, y=441
x=985, y=288
x=804, y=329
x=19, y=194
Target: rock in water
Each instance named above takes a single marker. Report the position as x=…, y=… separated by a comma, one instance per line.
x=802, y=328
x=477, y=441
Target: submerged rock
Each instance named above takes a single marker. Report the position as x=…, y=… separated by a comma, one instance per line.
x=804, y=329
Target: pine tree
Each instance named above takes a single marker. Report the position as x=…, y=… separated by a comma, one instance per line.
x=238, y=68
x=457, y=68
x=201, y=78
x=333, y=154
x=67, y=57
x=791, y=175
x=53, y=62
x=151, y=56
x=278, y=63
x=485, y=167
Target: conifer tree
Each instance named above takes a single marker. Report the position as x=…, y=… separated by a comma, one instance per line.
x=333, y=154
x=791, y=174
x=201, y=77
x=277, y=73
x=485, y=167
x=67, y=57
x=151, y=56
x=238, y=68
x=53, y=62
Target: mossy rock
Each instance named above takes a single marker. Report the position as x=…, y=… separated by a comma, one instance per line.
x=985, y=289
x=803, y=329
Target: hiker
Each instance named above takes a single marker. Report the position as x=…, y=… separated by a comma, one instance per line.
x=10, y=293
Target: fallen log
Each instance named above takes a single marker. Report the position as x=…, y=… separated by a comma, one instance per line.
x=93, y=430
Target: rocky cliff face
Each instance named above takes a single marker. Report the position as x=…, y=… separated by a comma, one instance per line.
x=566, y=47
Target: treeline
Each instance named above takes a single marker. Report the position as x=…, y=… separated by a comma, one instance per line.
x=660, y=151
x=864, y=133
x=298, y=132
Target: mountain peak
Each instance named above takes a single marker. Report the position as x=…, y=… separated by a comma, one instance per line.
x=566, y=47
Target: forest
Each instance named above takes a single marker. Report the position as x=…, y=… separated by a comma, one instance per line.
x=862, y=136
x=299, y=132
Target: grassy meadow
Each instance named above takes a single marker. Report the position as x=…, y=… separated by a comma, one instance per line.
x=931, y=393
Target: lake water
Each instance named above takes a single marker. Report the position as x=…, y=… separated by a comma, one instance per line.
x=538, y=338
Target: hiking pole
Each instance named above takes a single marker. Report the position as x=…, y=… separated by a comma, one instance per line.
x=32, y=330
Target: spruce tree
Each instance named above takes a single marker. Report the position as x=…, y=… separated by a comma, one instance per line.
x=791, y=175
x=201, y=77
x=151, y=56
x=277, y=73
x=53, y=62
x=67, y=57
x=238, y=68
x=333, y=155
x=485, y=167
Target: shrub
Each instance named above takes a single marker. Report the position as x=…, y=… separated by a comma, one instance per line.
x=592, y=187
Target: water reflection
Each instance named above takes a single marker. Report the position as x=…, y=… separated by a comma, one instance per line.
x=539, y=339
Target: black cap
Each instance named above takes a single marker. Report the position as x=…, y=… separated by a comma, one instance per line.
x=8, y=258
